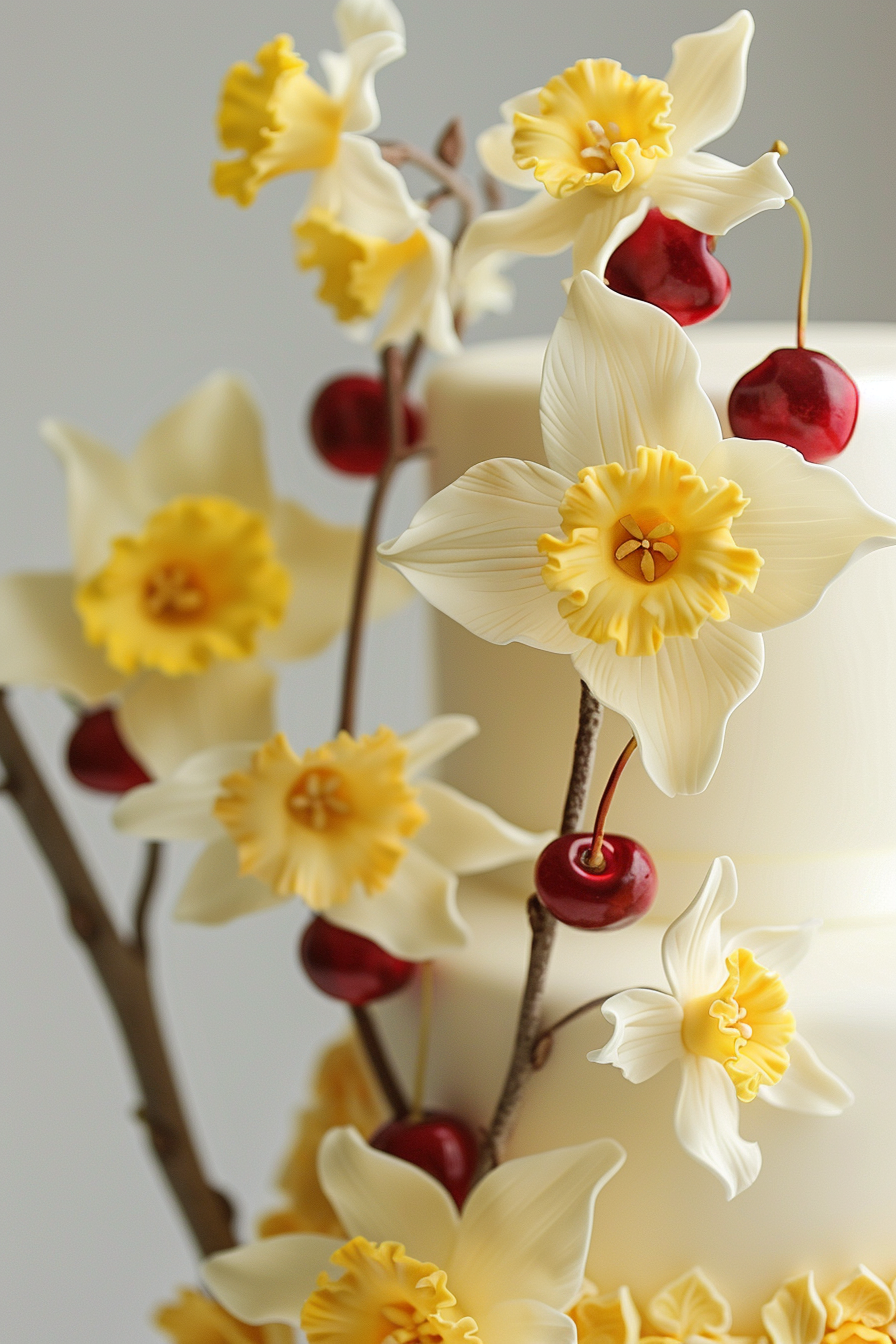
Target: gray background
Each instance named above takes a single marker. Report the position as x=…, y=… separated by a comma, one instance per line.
x=125, y=282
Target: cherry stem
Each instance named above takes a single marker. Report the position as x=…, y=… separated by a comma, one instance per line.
x=379, y=1062
x=544, y=928
x=393, y=366
x=426, y=986
x=806, y=274
x=594, y=857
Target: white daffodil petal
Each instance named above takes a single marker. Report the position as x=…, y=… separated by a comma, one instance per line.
x=646, y=1033
x=215, y=891
x=435, y=739
x=495, y=150
x=370, y=195
x=180, y=807
x=379, y=1197
x=807, y=522
x=415, y=918
x=212, y=443
x=692, y=944
x=472, y=551
x=468, y=837
x=269, y=1280
x=808, y=1086
x=419, y=300
x=540, y=228
x=618, y=375
x=524, y=1321
x=706, y=1122
x=708, y=79
x=603, y=231
x=167, y=719
x=712, y=195
x=548, y=1201
x=679, y=700
x=528, y=102
x=321, y=560
x=102, y=500
x=351, y=76
x=781, y=949
x=356, y=18
x=796, y=1313
x=43, y=643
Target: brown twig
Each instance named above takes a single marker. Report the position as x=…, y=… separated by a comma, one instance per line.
x=393, y=380
x=400, y=152
x=379, y=1063
x=124, y=976
x=544, y=928
x=145, y=894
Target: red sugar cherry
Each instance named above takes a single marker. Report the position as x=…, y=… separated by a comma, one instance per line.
x=99, y=759
x=349, y=967
x=439, y=1143
x=611, y=898
x=799, y=397
x=670, y=265
x=349, y=426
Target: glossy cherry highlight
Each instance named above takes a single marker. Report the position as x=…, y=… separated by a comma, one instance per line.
x=439, y=1143
x=349, y=967
x=799, y=397
x=587, y=897
x=98, y=758
x=672, y=266
x=349, y=425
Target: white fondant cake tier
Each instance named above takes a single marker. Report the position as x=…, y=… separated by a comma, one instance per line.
x=827, y=1190
x=804, y=799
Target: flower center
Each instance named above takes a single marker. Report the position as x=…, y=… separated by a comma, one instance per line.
x=744, y=1025
x=648, y=552
x=319, y=825
x=598, y=127
x=384, y=1296
x=357, y=268
x=317, y=799
x=198, y=584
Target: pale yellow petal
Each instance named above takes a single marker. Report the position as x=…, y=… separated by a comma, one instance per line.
x=42, y=642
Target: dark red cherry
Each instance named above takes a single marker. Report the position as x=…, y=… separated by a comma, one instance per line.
x=799, y=397
x=99, y=759
x=349, y=967
x=349, y=427
x=672, y=266
x=620, y=893
x=440, y=1143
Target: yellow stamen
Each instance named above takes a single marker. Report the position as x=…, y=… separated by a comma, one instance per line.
x=648, y=553
x=598, y=127
x=198, y=584
x=384, y=1297
x=357, y=268
x=744, y=1025
x=316, y=826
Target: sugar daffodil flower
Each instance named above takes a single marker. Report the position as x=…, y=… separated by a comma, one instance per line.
x=346, y=826
x=190, y=575
x=728, y=1025
x=598, y=147
x=279, y=120
x=383, y=265
x=504, y=1271
x=650, y=550
x=860, y=1310
x=685, y=1311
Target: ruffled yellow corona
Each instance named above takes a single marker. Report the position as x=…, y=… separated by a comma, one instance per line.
x=648, y=552
x=198, y=584
x=860, y=1310
x=744, y=1025
x=384, y=1295
x=357, y=268
x=598, y=127
x=315, y=826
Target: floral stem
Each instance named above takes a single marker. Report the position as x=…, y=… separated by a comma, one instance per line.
x=147, y=890
x=544, y=928
x=122, y=969
x=393, y=381
x=379, y=1062
x=400, y=152
x=594, y=857
x=426, y=986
